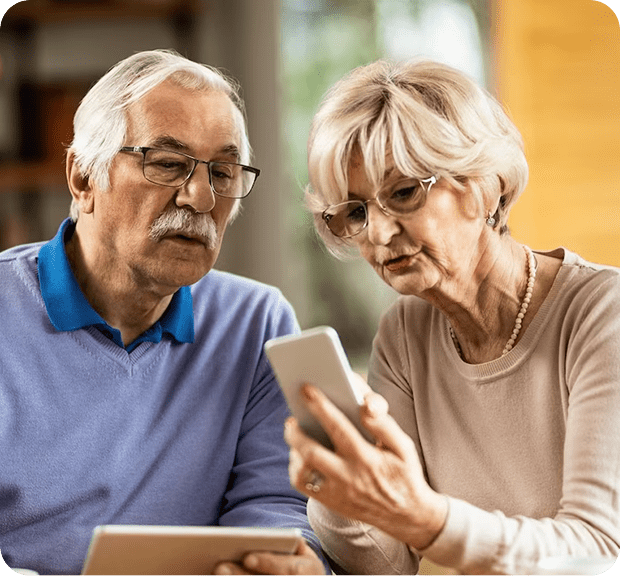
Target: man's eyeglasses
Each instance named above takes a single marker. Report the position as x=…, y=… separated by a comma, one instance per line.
x=168, y=168
x=350, y=218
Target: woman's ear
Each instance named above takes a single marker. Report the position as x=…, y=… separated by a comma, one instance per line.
x=79, y=185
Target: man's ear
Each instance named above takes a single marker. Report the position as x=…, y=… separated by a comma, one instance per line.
x=79, y=185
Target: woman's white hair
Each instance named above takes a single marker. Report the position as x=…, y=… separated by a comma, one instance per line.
x=426, y=118
x=100, y=123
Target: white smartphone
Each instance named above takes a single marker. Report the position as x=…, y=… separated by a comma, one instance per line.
x=315, y=357
x=132, y=549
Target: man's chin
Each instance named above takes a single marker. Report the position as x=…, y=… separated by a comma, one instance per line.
x=184, y=272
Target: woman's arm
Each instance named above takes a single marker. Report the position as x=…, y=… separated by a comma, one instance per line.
x=380, y=484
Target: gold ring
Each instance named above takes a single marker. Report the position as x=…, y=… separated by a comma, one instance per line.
x=315, y=481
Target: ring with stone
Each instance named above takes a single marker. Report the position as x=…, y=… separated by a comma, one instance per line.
x=314, y=482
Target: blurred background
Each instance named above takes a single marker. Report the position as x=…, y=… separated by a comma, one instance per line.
x=554, y=64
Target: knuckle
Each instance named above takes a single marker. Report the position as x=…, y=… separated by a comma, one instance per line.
x=298, y=568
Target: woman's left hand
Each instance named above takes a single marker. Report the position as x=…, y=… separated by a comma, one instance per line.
x=381, y=484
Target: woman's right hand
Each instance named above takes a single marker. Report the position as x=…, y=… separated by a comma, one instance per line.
x=382, y=484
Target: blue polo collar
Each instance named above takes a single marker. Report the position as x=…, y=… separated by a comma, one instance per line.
x=68, y=308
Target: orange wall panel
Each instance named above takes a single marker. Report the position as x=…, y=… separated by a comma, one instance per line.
x=558, y=74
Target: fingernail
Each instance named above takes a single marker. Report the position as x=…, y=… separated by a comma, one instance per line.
x=251, y=562
x=222, y=569
x=308, y=392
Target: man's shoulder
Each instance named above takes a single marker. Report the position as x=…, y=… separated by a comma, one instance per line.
x=223, y=293
x=227, y=303
x=19, y=263
x=21, y=252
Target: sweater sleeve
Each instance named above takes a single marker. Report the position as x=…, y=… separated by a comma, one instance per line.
x=360, y=548
x=259, y=492
x=587, y=523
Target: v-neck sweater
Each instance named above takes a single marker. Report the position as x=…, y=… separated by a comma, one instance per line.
x=170, y=432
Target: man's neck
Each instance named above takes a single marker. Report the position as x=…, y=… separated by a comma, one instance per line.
x=118, y=299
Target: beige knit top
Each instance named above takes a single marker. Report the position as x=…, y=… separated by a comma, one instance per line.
x=526, y=447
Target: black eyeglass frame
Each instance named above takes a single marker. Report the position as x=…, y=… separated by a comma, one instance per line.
x=144, y=149
x=364, y=203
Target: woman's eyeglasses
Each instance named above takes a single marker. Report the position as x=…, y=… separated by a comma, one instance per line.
x=350, y=218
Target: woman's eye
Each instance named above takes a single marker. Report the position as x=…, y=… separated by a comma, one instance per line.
x=357, y=214
x=404, y=194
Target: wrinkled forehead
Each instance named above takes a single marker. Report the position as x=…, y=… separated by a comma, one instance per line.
x=205, y=118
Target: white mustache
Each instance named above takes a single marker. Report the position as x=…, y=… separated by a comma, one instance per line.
x=182, y=221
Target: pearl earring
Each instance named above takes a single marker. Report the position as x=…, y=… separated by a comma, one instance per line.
x=490, y=221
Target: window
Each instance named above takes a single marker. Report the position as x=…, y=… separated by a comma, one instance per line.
x=321, y=41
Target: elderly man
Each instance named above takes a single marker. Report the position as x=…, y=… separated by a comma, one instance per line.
x=133, y=384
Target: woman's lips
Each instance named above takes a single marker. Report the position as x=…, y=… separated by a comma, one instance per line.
x=400, y=263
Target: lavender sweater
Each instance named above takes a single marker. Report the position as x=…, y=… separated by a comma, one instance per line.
x=171, y=433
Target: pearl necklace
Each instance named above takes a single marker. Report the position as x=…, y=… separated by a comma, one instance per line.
x=531, y=268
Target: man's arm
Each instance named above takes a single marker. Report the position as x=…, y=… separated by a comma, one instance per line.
x=259, y=491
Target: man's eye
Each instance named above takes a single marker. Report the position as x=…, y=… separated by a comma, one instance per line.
x=223, y=171
x=220, y=174
x=169, y=164
x=166, y=162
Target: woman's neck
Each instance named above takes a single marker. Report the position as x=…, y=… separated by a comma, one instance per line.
x=482, y=308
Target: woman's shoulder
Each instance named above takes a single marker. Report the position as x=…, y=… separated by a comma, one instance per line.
x=583, y=292
x=409, y=319
x=573, y=261
x=582, y=276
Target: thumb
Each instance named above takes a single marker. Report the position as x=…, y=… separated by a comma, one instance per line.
x=376, y=418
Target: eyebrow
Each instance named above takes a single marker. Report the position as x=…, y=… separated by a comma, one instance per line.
x=231, y=150
x=169, y=142
x=172, y=143
x=352, y=196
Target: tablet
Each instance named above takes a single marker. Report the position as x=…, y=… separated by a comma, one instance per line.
x=125, y=549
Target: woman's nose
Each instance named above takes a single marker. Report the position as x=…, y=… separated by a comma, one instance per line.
x=382, y=227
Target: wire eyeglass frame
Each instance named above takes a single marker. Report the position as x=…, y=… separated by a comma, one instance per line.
x=327, y=216
x=247, y=171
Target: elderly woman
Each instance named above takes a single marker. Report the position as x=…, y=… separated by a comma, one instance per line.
x=500, y=365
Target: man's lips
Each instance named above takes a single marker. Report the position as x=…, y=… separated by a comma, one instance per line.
x=184, y=238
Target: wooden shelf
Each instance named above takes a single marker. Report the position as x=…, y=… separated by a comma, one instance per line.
x=34, y=168
x=35, y=175
x=54, y=104
x=58, y=11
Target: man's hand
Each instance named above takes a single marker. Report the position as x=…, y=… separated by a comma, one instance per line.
x=303, y=561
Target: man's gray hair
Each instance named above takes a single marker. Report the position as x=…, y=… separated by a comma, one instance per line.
x=100, y=122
